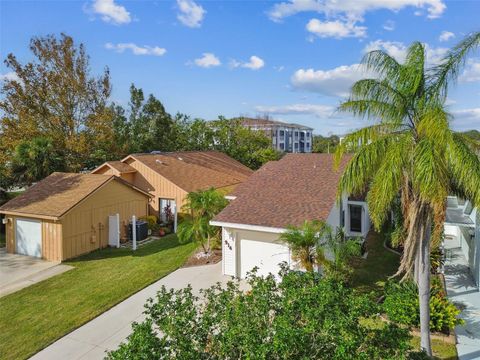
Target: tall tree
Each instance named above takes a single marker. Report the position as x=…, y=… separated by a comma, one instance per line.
x=35, y=159
x=56, y=97
x=410, y=151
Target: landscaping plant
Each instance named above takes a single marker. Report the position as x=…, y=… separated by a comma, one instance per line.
x=302, y=316
x=402, y=306
x=410, y=151
x=202, y=206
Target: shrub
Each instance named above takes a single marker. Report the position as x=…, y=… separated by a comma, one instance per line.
x=402, y=306
x=151, y=220
x=301, y=317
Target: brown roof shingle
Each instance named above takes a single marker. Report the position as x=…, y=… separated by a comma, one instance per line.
x=120, y=166
x=56, y=194
x=296, y=188
x=196, y=170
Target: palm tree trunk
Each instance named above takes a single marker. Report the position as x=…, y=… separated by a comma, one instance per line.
x=423, y=272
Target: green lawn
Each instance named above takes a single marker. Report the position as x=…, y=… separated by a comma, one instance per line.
x=370, y=275
x=33, y=318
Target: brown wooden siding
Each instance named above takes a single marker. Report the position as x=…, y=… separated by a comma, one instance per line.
x=158, y=186
x=85, y=227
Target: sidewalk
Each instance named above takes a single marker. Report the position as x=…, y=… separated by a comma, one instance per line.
x=462, y=291
x=107, y=331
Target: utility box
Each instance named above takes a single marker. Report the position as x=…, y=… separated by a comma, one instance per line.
x=142, y=230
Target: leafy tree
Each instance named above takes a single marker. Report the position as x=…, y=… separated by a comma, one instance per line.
x=304, y=241
x=202, y=206
x=34, y=160
x=149, y=126
x=300, y=317
x=323, y=144
x=56, y=97
x=410, y=151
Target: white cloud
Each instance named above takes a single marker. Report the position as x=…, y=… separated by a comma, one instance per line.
x=466, y=119
x=471, y=72
x=136, y=49
x=334, y=82
x=10, y=76
x=254, y=63
x=445, y=36
x=352, y=9
x=111, y=12
x=389, y=25
x=399, y=50
x=191, y=14
x=337, y=81
x=321, y=111
x=207, y=60
x=336, y=29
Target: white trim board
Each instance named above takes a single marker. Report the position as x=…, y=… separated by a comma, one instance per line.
x=248, y=227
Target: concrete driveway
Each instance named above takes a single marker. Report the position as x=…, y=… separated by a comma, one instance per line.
x=108, y=330
x=19, y=271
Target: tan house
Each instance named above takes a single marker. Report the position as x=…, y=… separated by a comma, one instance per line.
x=66, y=215
x=169, y=177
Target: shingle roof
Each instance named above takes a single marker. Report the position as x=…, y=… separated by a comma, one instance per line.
x=296, y=188
x=120, y=166
x=196, y=170
x=56, y=194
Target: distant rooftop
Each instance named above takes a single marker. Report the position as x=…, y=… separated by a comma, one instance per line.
x=246, y=121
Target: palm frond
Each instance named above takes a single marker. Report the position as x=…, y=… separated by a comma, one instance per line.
x=449, y=69
x=381, y=63
x=387, y=181
x=464, y=165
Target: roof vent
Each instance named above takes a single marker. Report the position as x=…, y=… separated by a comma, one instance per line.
x=179, y=158
x=159, y=161
x=156, y=152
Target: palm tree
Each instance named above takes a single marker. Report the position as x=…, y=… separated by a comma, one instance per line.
x=334, y=254
x=304, y=241
x=410, y=152
x=202, y=206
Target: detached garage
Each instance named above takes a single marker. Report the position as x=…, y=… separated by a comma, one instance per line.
x=66, y=215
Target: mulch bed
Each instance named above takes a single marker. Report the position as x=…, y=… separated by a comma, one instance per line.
x=197, y=260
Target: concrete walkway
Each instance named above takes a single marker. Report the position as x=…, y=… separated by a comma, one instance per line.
x=462, y=291
x=107, y=331
x=20, y=271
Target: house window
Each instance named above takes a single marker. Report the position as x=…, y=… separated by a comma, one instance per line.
x=296, y=145
x=282, y=133
x=308, y=134
x=355, y=218
x=282, y=146
x=166, y=210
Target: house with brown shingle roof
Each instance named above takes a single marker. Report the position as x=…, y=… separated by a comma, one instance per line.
x=66, y=215
x=289, y=191
x=169, y=177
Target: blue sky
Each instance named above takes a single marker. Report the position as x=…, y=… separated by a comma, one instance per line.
x=293, y=60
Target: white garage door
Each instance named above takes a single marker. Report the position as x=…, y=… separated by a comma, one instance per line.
x=265, y=255
x=28, y=237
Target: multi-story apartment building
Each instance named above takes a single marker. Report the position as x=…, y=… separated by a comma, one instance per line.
x=292, y=138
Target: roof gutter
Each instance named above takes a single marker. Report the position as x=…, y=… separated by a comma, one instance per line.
x=268, y=229
x=29, y=215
